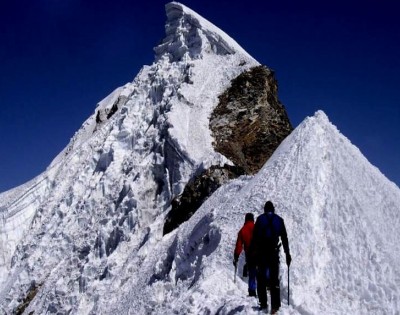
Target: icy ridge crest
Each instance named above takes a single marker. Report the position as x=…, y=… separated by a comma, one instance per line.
x=189, y=33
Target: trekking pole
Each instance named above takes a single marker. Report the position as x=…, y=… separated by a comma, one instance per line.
x=288, y=283
x=234, y=279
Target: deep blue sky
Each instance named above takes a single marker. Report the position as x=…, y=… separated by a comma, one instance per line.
x=58, y=58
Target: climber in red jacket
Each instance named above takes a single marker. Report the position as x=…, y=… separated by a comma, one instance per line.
x=243, y=240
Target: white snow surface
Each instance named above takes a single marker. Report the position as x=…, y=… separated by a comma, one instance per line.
x=88, y=231
x=343, y=223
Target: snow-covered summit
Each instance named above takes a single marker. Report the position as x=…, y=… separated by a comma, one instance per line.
x=188, y=32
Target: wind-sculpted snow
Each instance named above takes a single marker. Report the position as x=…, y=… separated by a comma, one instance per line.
x=17, y=208
x=189, y=34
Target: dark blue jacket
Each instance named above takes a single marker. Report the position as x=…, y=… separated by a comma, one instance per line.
x=268, y=230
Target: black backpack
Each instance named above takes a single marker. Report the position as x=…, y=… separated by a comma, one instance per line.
x=270, y=237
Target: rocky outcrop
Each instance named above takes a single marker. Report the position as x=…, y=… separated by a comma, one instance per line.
x=248, y=125
x=30, y=295
x=196, y=192
x=250, y=122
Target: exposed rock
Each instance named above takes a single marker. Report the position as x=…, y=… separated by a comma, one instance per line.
x=30, y=295
x=104, y=114
x=248, y=125
x=196, y=192
x=249, y=122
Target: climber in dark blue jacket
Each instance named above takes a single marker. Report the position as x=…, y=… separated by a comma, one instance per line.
x=265, y=245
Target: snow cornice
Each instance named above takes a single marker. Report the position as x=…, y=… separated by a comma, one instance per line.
x=183, y=28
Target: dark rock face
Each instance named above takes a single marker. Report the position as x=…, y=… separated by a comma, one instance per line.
x=248, y=125
x=196, y=192
x=249, y=122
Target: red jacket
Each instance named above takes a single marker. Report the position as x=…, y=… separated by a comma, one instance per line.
x=244, y=238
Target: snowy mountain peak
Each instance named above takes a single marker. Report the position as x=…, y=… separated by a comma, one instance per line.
x=189, y=34
x=86, y=236
x=115, y=180
x=320, y=115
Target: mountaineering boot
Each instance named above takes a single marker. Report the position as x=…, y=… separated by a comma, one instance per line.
x=274, y=311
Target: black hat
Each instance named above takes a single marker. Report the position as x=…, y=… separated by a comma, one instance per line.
x=269, y=207
x=249, y=217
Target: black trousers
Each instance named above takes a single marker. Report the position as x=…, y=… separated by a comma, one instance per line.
x=268, y=275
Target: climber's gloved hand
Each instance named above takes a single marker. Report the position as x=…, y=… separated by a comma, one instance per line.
x=288, y=259
x=235, y=260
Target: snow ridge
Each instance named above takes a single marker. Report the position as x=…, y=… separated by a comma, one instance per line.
x=188, y=32
x=342, y=218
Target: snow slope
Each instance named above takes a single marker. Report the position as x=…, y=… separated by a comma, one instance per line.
x=343, y=223
x=85, y=237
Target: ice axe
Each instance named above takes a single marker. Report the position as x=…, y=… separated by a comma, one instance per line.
x=234, y=278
